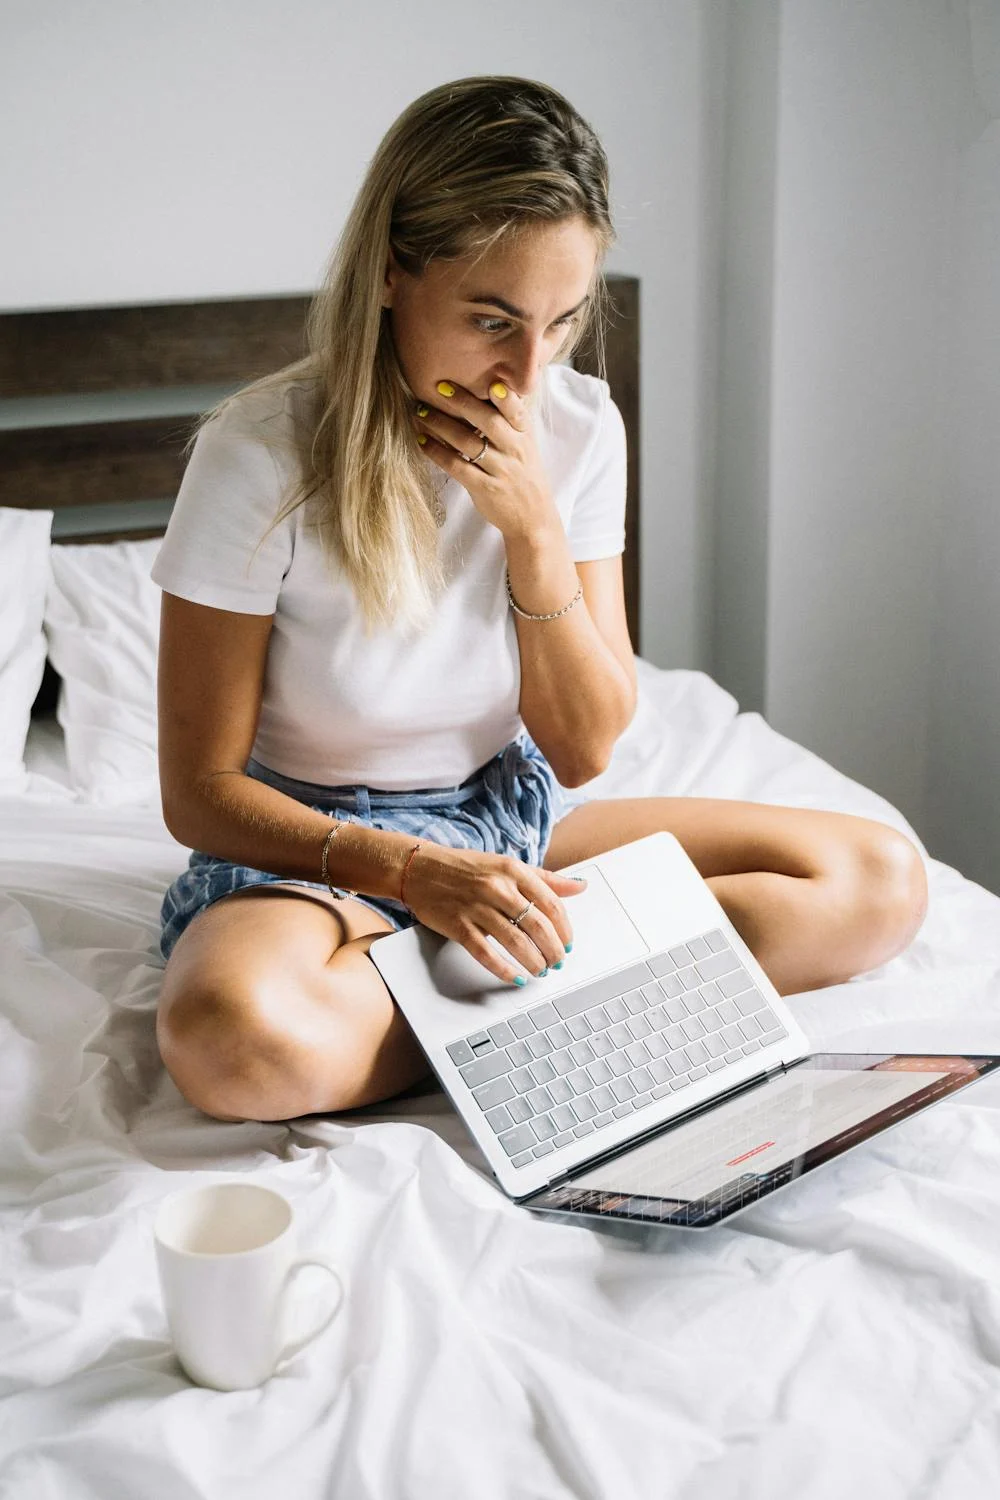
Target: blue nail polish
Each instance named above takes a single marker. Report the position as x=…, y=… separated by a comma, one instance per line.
x=543, y=973
x=558, y=965
x=569, y=947
x=519, y=980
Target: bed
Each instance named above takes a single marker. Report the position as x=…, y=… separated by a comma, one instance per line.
x=842, y=1337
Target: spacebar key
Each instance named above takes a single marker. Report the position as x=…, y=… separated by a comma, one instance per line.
x=608, y=988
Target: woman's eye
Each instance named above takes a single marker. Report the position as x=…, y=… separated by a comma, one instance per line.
x=498, y=325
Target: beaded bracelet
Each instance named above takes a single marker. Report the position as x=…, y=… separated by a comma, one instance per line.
x=334, y=890
x=555, y=613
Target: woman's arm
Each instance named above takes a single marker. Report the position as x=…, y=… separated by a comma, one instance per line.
x=211, y=674
x=578, y=686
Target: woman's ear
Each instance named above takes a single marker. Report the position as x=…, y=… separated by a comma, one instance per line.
x=392, y=273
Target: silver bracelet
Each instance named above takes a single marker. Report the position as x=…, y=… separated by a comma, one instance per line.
x=555, y=613
x=334, y=890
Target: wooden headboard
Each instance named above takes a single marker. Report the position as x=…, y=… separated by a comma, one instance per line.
x=96, y=404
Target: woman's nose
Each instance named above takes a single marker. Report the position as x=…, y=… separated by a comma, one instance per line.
x=523, y=365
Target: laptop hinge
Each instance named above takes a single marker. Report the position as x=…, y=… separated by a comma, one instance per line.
x=601, y=1157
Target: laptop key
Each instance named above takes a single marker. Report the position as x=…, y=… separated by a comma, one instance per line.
x=522, y=1160
x=603, y=1099
x=602, y=1044
x=621, y=1110
x=543, y=1127
x=618, y=1063
x=582, y=1053
x=641, y=1080
x=661, y=1071
x=599, y=1071
x=716, y=940
x=522, y=1081
x=460, y=1052
x=734, y=984
x=698, y=948
x=715, y=1064
x=520, y=1139
x=500, y=1119
x=697, y=1073
x=543, y=1149
x=540, y=1100
x=616, y=1010
x=639, y=1027
x=622, y=1089
x=660, y=964
x=563, y=1118
x=501, y=1034
x=519, y=1054
x=497, y=1092
x=540, y=1045
x=562, y=1062
x=521, y=1025
x=718, y=963
x=637, y=1054
x=485, y=1068
x=542, y=1071
x=578, y=1027
x=587, y=1128
x=520, y=1109
x=561, y=1090
x=635, y=1001
x=584, y=1108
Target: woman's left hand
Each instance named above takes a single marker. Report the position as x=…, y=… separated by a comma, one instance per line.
x=507, y=484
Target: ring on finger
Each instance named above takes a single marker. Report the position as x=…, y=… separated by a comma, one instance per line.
x=486, y=444
x=516, y=921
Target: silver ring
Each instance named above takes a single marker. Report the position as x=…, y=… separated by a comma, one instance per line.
x=486, y=444
x=516, y=921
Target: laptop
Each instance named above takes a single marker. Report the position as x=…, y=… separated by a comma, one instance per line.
x=658, y=1076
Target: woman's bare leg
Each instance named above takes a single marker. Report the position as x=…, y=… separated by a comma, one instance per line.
x=816, y=896
x=271, y=1008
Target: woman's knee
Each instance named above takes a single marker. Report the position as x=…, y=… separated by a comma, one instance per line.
x=220, y=1047
x=889, y=883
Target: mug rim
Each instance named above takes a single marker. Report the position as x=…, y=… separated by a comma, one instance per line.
x=196, y=1190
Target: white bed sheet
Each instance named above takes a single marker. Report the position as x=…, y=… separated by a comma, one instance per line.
x=841, y=1338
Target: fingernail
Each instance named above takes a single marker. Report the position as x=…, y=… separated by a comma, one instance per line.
x=422, y=410
x=558, y=964
x=543, y=973
x=446, y=388
x=569, y=947
x=496, y=389
x=580, y=879
x=421, y=438
x=518, y=980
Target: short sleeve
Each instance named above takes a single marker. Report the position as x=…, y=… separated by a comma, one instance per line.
x=597, y=524
x=218, y=549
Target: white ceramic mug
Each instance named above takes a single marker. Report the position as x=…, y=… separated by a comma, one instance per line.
x=227, y=1261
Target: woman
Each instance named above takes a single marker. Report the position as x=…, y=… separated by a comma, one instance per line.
x=393, y=633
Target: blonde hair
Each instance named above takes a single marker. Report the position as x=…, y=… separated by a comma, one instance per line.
x=464, y=166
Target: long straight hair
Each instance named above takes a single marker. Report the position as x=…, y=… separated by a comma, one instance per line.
x=464, y=166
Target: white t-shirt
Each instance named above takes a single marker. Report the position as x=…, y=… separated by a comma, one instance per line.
x=394, y=710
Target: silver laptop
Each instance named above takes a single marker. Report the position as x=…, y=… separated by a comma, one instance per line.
x=658, y=1075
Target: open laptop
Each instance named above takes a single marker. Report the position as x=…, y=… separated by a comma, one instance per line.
x=659, y=1076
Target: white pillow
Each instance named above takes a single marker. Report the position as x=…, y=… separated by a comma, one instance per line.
x=24, y=571
x=102, y=619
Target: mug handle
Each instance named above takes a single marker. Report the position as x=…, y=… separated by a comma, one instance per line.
x=320, y=1261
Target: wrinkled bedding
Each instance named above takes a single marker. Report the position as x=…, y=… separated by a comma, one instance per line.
x=840, y=1338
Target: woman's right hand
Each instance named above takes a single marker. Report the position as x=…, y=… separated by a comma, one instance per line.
x=469, y=896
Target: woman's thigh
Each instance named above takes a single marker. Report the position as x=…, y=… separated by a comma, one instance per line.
x=270, y=1008
x=721, y=837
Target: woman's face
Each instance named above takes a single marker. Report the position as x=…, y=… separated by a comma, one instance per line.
x=503, y=316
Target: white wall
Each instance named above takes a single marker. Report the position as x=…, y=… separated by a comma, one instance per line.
x=205, y=148
x=856, y=601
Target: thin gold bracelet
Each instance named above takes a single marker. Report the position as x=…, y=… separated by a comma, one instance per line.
x=334, y=890
x=555, y=613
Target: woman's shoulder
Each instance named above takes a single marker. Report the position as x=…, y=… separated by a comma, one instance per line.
x=277, y=412
x=573, y=404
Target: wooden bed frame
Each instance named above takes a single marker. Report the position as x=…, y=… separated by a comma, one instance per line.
x=96, y=404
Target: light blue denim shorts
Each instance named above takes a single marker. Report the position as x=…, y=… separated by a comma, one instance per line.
x=508, y=806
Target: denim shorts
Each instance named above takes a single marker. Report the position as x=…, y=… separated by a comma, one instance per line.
x=508, y=806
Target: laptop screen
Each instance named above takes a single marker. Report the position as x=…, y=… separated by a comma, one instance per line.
x=731, y=1154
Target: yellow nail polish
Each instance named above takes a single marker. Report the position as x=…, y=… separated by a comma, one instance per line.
x=446, y=388
x=498, y=390
x=422, y=411
x=421, y=438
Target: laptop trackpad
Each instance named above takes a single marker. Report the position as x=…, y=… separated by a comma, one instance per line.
x=604, y=938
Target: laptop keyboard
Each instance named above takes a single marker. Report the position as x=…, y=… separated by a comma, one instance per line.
x=570, y=1066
